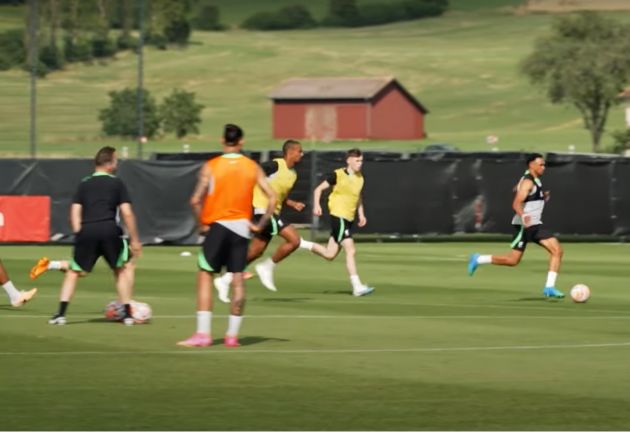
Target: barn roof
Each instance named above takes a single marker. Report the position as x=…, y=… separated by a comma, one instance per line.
x=365, y=89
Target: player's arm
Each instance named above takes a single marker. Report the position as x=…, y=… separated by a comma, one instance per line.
x=132, y=229
x=522, y=190
x=296, y=205
x=75, y=217
x=331, y=180
x=201, y=189
x=361, y=212
x=261, y=180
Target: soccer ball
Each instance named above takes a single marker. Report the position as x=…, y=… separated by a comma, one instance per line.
x=580, y=293
x=140, y=312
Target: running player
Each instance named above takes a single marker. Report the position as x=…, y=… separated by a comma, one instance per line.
x=93, y=216
x=17, y=298
x=222, y=202
x=528, y=205
x=343, y=203
x=281, y=176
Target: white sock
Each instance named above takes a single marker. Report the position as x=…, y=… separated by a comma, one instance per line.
x=234, y=325
x=12, y=292
x=269, y=263
x=355, y=281
x=227, y=277
x=203, y=322
x=305, y=244
x=54, y=265
x=484, y=259
x=551, y=279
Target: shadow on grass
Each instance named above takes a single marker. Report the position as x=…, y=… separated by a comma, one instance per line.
x=285, y=299
x=340, y=292
x=253, y=340
x=541, y=299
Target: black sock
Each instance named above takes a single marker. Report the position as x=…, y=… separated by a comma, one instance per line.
x=127, y=310
x=62, y=308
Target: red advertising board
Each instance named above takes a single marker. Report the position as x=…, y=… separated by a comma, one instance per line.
x=24, y=218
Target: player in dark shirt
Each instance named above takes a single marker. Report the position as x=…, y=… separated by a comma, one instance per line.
x=93, y=216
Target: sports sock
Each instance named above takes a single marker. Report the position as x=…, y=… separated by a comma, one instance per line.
x=355, y=281
x=227, y=277
x=62, y=308
x=234, y=325
x=269, y=263
x=305, y=244
x=54, y=265
x=484, y=259
x=203, y=321
x=551, y=279
x=11, y=290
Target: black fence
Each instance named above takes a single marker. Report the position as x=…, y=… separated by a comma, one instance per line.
x=404, y=194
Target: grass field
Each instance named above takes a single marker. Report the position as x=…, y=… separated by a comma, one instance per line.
x=463, y=67
x=431, y=349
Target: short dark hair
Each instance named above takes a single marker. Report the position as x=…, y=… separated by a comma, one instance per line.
x=287, y=146
x=232, y=134
x=353, y=152
x=532, y=157
x=104, y=156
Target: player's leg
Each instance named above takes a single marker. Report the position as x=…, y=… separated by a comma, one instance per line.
x=210, y=261
x=116, y=252
x=44, y=264
x=236, y=263
x=291, y=242
x=358, y=289
x=552, y=245
x=257, y=247
x=87, y=249
x=17, y=298
x=331, y=250
x=513, y=258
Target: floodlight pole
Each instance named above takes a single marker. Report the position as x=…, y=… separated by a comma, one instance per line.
x=34, y=64
x=140, y=101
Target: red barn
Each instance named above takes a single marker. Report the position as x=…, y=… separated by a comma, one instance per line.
x=325, y=109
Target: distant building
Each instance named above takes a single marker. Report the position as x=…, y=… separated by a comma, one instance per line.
x=325, y=109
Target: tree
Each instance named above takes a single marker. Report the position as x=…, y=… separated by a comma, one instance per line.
x=121, y=117
x=584, y=62
x=180, y=113
x=343, y=13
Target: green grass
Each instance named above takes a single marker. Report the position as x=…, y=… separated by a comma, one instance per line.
x=463, y=67
x=431, y=349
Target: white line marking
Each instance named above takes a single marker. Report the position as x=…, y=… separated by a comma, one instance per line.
x=371, y=317
x=322, y=351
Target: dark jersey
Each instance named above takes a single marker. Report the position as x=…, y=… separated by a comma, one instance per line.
x=100, y=195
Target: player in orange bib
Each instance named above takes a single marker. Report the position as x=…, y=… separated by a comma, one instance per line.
x=222, y=202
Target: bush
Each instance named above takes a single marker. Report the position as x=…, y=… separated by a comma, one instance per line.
x=77, y=50
x=158, y=40
x=52, y=57
x=127, y=42
x=382, y=13
x=424, y=8
x=180, y=113
x=622, y=141
x=177, y=31
x=208, y=19
x=290, y=17
x=342, y=13
x=103, y=46
x=12, y=52
x=121, y=117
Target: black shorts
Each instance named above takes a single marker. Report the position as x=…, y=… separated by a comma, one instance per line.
x=340, y=229
x=223, y=248
x=273, y=227
x=101, y=239
x=534, y=233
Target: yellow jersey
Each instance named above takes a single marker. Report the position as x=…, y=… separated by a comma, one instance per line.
x=346, y=194
x=281, y=179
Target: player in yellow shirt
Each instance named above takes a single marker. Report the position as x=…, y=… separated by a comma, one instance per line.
x=343, y=203
x=281, y=176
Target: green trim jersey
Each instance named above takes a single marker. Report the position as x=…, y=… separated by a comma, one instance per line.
x=534, y=203
x=346, y=194
x=100, y=195
x=281, y=178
